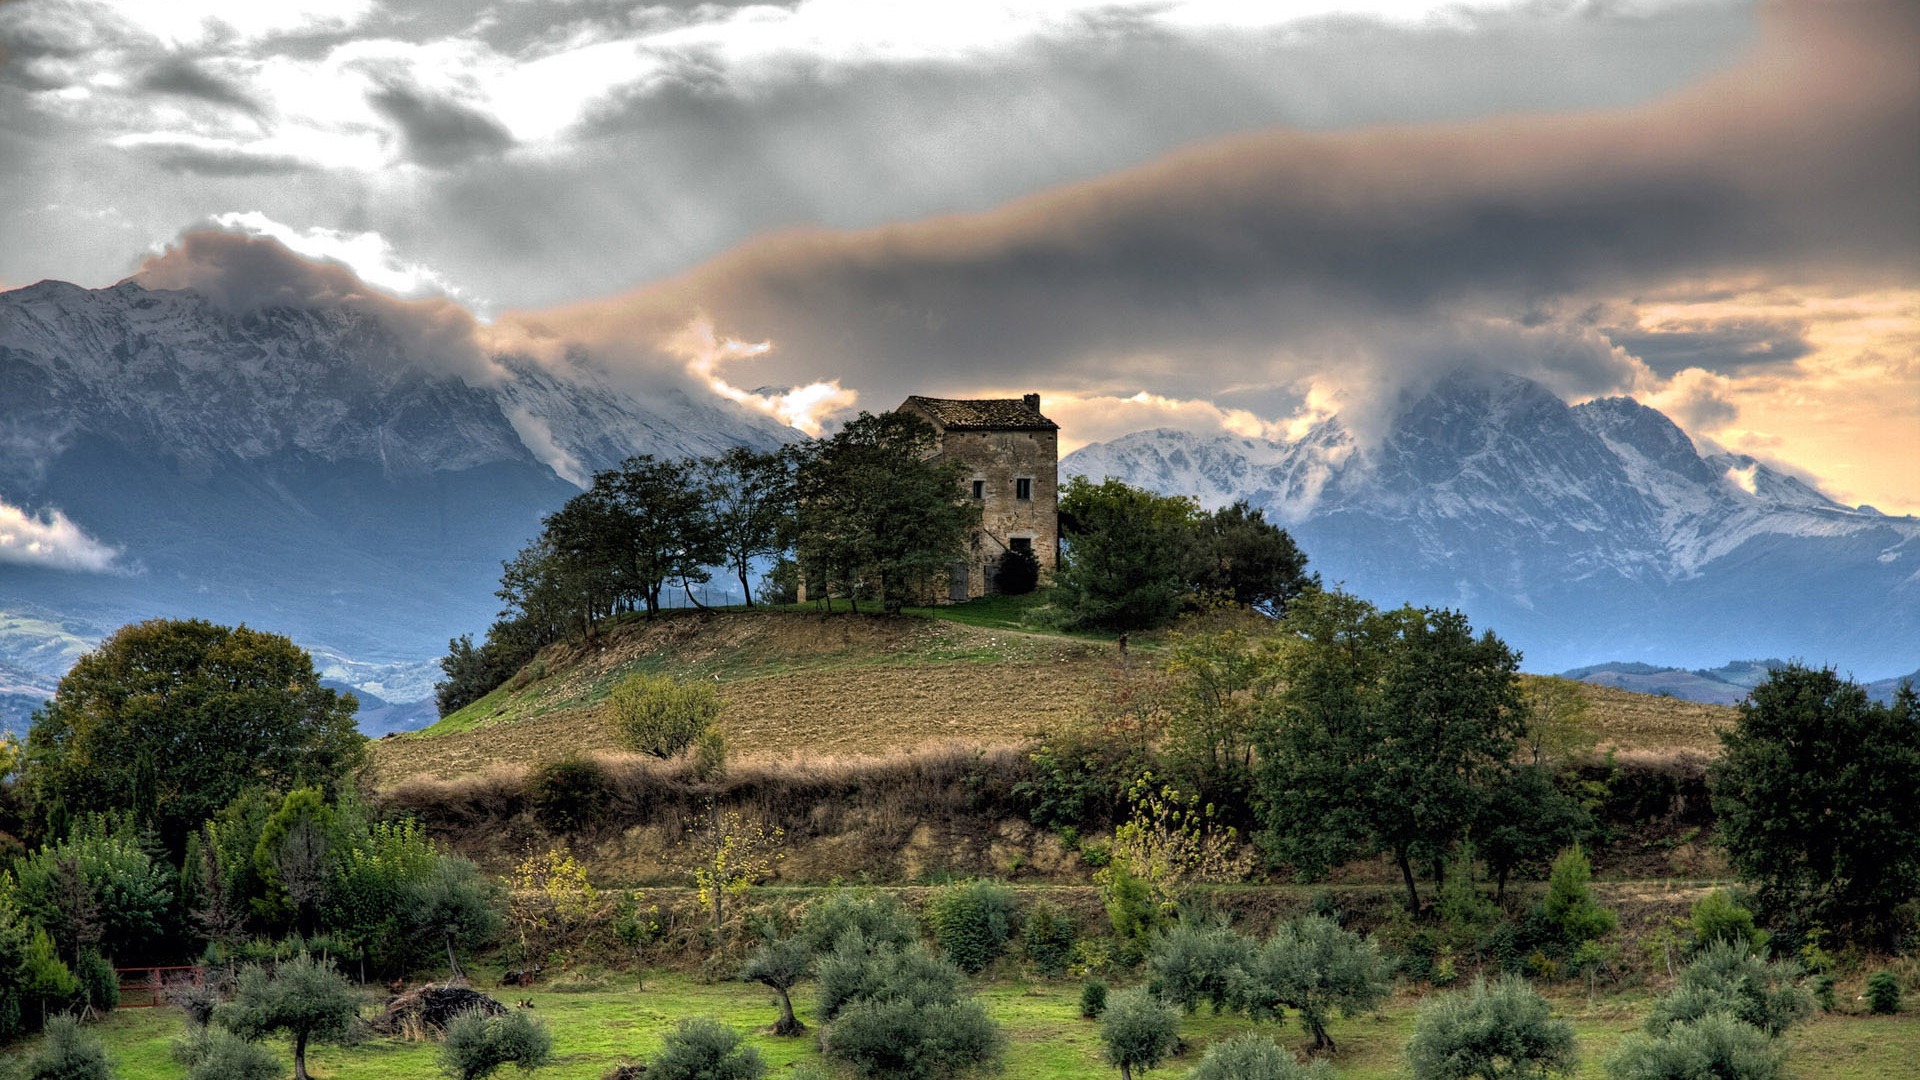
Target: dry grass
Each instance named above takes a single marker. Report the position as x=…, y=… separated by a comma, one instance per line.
x=1630, y=721
x=800, y=683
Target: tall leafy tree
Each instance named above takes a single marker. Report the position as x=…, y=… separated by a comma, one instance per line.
x=668, y=529
x=1814, y=794
x=305, y=998
x=876, y=507
x=1245, y=558
x=1130, y=554
x=1392, y=730
x=750, y=497
x=170, y=719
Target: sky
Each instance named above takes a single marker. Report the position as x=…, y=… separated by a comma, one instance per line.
x=1192, y=213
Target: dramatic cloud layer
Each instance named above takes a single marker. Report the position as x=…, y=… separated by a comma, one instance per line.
x=1152, y=212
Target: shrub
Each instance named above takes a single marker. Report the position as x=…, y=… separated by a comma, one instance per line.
x=1569, y=909
x=853, y=973
x=700, y=1048
x=1255, y=1057
x=1883, y=993
x=1138, y=1030
x=478, y=1044
x=1732, y=979
x=1716, y=1045
x=1093, y=999
x=1048, y=936
x=1717, y=916
x=878, y=918
x=1503, y=1030
x=1319, y=969
x=661, y=715
x=197, y=1000
x=214, y=1053
x=99, y=986
x=569, y=793
x=1823, y=993
x=900, y=1039
x=69, y=1052
x=1197, y=961
x=970, y=922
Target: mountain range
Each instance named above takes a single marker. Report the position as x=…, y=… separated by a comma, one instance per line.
x=301, y=468
x=297, y=467
x=1579, y=533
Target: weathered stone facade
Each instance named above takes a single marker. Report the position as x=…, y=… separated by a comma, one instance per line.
x=1013, y=457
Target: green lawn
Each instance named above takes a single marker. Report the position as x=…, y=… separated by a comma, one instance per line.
x=596, y=1029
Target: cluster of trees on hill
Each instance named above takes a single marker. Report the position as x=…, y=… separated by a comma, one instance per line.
x=867, y=509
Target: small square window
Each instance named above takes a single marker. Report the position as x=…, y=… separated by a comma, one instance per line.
x=979, y=489
x=1023, y=488
x=1020, y=543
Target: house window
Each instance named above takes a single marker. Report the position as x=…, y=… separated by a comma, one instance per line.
x=979, y=489
x=1020, y=543
x=1023, y=488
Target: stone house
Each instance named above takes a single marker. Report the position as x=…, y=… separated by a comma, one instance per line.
x=1012, y=453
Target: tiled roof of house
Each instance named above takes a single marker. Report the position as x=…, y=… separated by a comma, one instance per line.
x=977, y=414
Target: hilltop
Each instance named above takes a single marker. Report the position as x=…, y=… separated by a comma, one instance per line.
x=797, y=682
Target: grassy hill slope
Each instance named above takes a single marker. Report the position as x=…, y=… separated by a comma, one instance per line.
x=799, y=682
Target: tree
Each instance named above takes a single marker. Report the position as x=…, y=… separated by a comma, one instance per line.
x=1714, y=1047
x=876, y=506
x=213, y=1053
x=1129, y=555
x=700, y=1048
x=1505, y=1031
x=971, y=921
x=97, y=886
x=665, y=529
x=731, y=855
x=1198, y=960
x=171, y=719
x=1813, y=793
x=878, y=919
x=293, y=855
x=1569, y=909
x=1218, y=683
x=1253, y=1056
x=453, y=905
x=478, y=1044
x=1525, y=820
x=1319, y=969
x=750, y=495
x=1137, y=1031
x=661, y=715
x=305, y=998
x=550, y=900
x=1247, y=560
x=1389, y=733
x=780, y=964
x=898, y=1012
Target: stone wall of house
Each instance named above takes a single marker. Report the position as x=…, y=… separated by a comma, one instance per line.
x=997, y=461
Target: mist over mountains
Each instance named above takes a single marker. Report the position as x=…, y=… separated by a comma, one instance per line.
x=291, y=467
x=1581, y=534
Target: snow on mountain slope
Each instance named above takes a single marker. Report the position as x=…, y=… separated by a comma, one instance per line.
x=300, y=468
x=1581, y=532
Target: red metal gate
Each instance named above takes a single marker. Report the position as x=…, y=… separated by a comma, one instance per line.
x=145, y=987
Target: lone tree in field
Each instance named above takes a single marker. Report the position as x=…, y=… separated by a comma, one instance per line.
x=1138, y=1031
x=780, y=964
x=661, y=715
x=1814, y=795
x=169, y=720
x=1319, y=969
x=1505, y=1031
x=306, y=999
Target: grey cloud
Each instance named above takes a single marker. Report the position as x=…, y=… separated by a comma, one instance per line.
x=439, y=131
x=244, y=274
x=202, y=161
x=1286, y=252
x=1721, y=346
x=182, y=77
